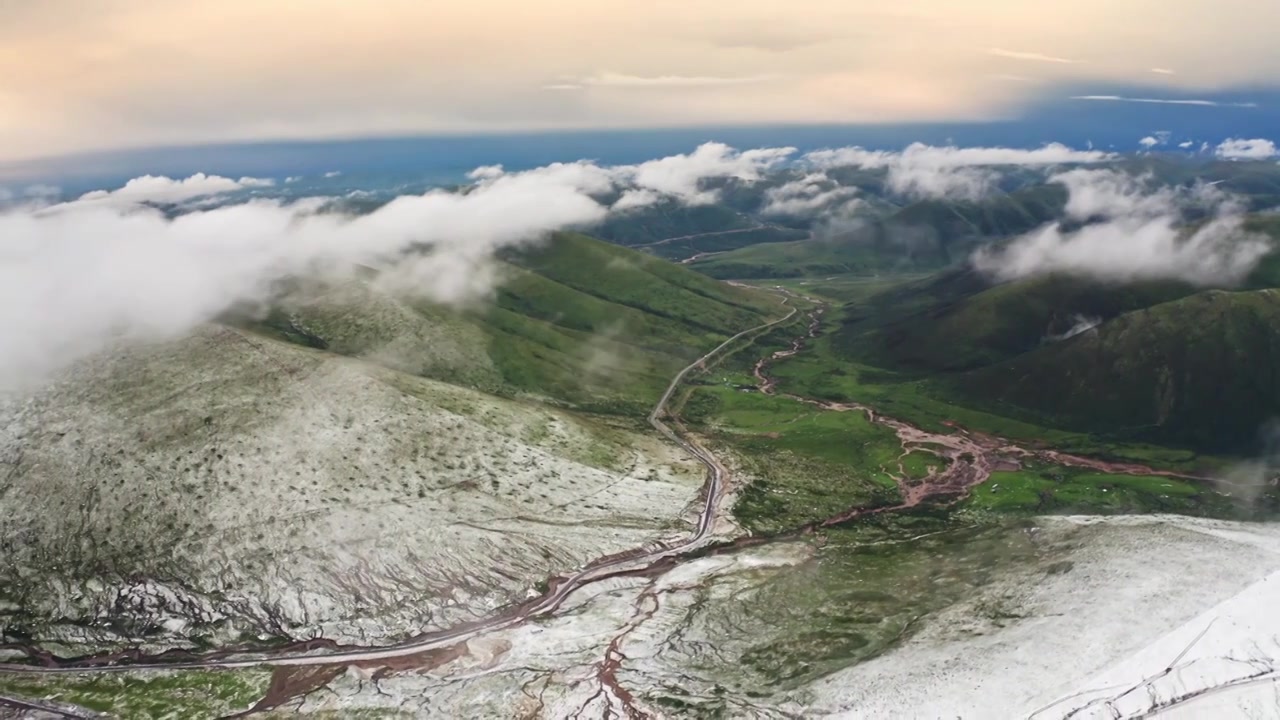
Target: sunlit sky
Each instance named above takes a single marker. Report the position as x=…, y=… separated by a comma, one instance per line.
x=78, y=75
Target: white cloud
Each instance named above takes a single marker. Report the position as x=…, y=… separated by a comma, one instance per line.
x=152, y=188
x=333, y=173
x=679, y=176
x=1148, y=142
x=1141, y=235
x=486, y=172
x=1163, y=71
x=1162, y=101
x=1187, y=144
x=1242, y=149
x=949, y=172
x=78, y=275
x=814, y=193
x=292, y=179
x=1034, y=56
x=1109, y=194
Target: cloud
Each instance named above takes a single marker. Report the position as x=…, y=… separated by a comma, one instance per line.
x=79, y=275
x=622, y=80
x=678, y=176
x=1162, y=101
x=814, y=193
x=333, y=173
x=1033, y=56
x=1137, y=233
x=949, y=172
x=1163, y=71
x=152, y=188
x=1159, y=137
x=1242, y=149
x=1186, y=144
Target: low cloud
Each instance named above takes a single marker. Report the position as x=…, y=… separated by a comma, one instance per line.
x=1242, y=149
x=1135, y=232
x=928, y=171
x=1163, y=71
x=79, y=275
x=1148, y=142
x=678, y=176
x=152, y=188
x=1162, y=101
x=1032, y=56
x=814, y=193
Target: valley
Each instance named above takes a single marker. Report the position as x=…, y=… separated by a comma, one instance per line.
x=918, y=470
x=728, y=463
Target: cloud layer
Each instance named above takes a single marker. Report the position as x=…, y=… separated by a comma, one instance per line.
x=1241, y=149
x=150, y=188
x=927, y=171
x=1133, y=232
x=1162, y=101
x=106, y=267
x=811, y=194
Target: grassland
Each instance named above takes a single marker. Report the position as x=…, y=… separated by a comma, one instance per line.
x=187, y=695
x=1042, y=489
x=576, y=321
x=805, y=464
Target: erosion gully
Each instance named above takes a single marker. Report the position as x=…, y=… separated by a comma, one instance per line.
x=304, y=667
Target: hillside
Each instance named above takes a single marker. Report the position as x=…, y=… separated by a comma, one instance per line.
x=576, y=320
x=923, y=235
x=356, y=464
x=224, y=487
x=1199, y=372
x=958, y=320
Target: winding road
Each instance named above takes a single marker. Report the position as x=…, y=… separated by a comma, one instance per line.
x=559, y=588
x=969, y=460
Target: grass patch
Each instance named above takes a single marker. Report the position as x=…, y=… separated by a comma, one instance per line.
x=178, y=695
x=1042, y=489
x=806, y=464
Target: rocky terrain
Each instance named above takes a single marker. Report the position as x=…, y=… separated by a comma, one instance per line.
x=225, y=485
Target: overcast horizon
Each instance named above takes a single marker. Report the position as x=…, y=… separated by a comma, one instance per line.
x=140, y=73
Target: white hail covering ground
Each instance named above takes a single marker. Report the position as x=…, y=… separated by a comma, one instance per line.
x=1158, y=616
x=326, y=495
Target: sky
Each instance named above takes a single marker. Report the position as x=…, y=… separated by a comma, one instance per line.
x=78, y=76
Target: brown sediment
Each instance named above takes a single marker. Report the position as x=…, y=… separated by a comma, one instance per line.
x=607, y=669
x=970, y=458
x=293, y=682
x=288, y=683
x=971, y=455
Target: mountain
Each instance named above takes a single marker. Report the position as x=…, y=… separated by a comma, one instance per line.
x=960, y=320
x=1200, y=371
x=575, y=320
x=1162, y=362
x=353, y=463
x=920, y=236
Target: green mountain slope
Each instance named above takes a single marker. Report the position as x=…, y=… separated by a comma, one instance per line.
x=1202, y=371
x=576, y=320
x=958, y=320
x=925, y=235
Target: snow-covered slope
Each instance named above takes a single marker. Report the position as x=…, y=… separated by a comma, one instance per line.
x=226, y=483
